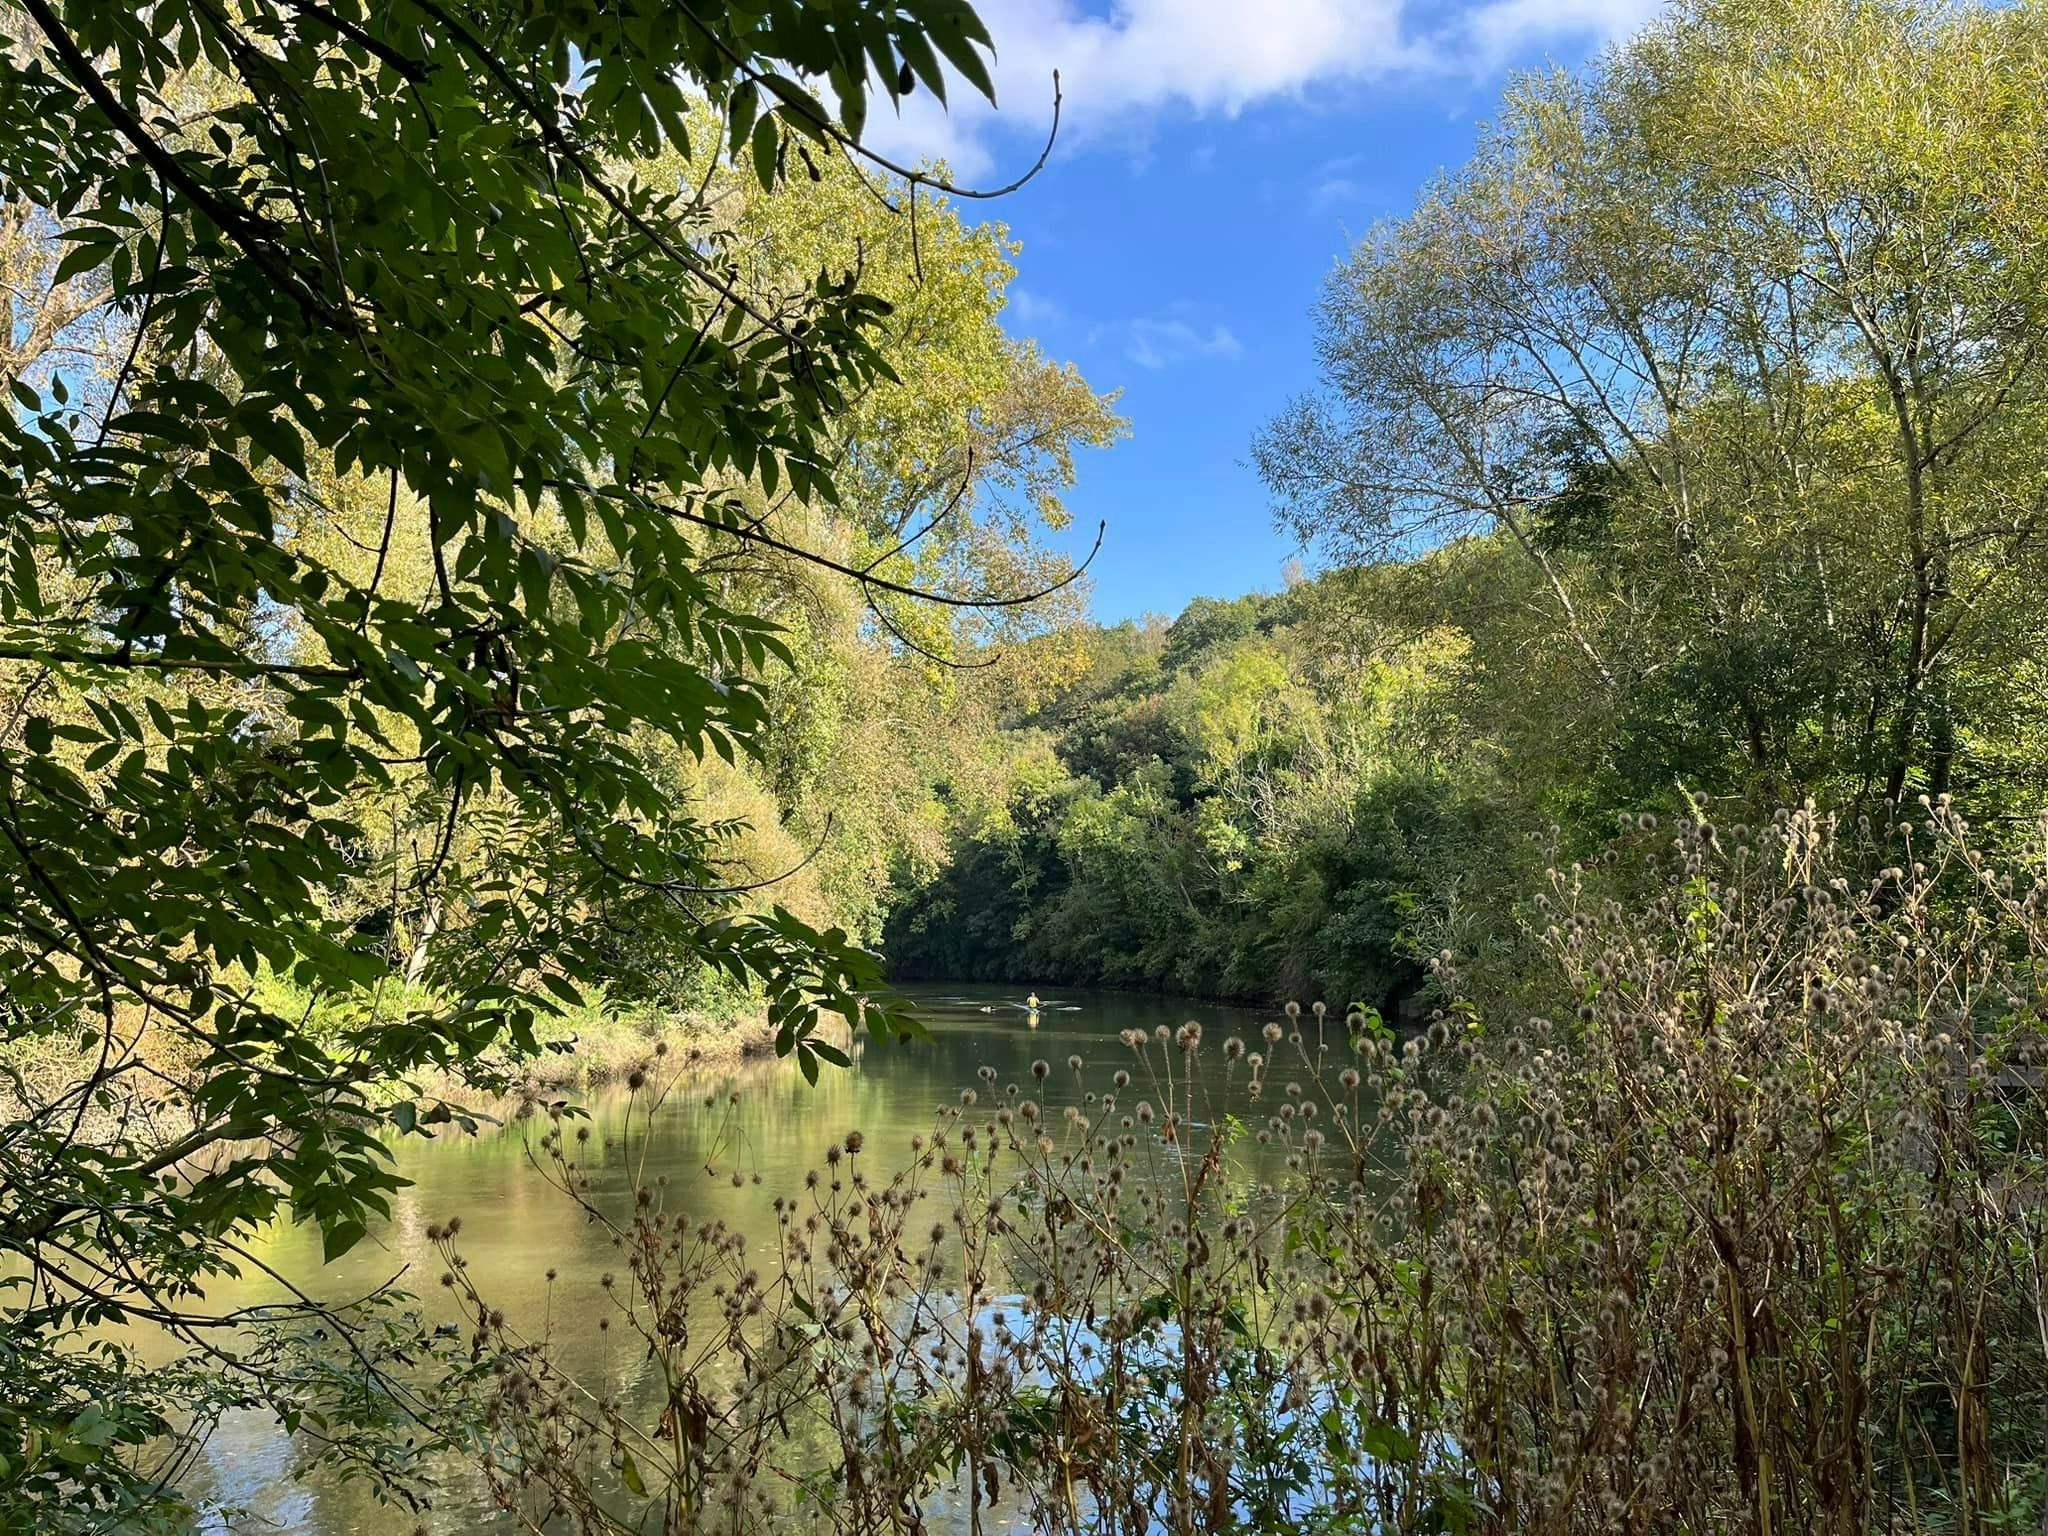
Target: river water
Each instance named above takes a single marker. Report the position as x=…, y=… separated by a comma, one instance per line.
x=515, y=1227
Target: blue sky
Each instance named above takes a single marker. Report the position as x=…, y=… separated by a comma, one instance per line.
x=1215, y=161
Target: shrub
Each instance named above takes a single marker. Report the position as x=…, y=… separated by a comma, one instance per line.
x=1745, y=1232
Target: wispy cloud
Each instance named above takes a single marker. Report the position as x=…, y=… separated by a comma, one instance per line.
x=1031, y=309
x=1163, y=343
x=1147, y=58
x=1337, y=183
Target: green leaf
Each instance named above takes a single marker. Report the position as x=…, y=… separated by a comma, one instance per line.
x=956, y=33
x=1386, y=1442
x=563, y=988
x=853, y=101
x=740, y=111
x=93, y=248
x=918, y=57
x=336, y=1238
x=277, y=438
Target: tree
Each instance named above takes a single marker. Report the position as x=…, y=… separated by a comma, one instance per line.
x=948, y=474
x=1260, y=819
x=1735, y=342
x=309, y=268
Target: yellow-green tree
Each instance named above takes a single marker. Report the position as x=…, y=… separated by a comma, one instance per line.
x=1740, y=338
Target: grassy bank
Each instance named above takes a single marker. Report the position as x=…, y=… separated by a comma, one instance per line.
x=597, y=1048
x=591, y=1050
x=597, y=1042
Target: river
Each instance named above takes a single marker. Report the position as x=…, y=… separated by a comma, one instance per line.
x=515, y=1227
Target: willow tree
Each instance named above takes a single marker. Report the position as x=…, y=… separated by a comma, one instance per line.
x=1741, y=338
x=288, y=250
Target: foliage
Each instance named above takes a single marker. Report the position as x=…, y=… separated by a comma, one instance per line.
x=1733, y=342
x=1743, y=1233
x=1682, y=448
x=946, y=473
x=382, y=425
x=515, y=525
x=1265, y=796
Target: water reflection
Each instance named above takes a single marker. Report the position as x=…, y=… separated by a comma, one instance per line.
x=767, y=1130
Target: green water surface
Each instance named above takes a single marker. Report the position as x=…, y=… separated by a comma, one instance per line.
x=515, y=1227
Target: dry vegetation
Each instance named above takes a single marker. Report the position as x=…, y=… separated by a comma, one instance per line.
x=1746, y=1235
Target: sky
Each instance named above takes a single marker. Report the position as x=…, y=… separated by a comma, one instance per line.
x=1216, y=158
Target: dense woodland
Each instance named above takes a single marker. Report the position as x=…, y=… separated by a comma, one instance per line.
x=1270, y=797
x=515, y=525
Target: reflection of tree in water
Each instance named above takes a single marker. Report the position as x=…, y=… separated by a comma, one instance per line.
x=1071, y=1304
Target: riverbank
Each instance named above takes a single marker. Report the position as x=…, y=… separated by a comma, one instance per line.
x=602, y=1049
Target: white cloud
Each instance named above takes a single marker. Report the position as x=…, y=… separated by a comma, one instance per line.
x=1147, y=58
x=1503, y=28
x=1159, y=344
